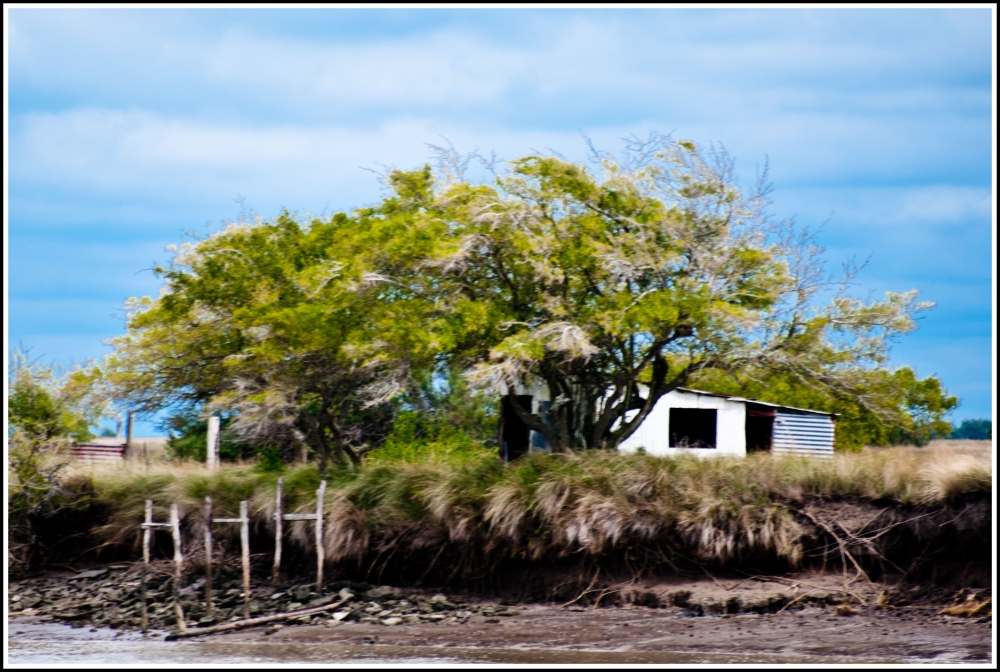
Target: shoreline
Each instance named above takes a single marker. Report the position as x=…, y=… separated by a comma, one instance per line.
x=546, y=635
x=805, y=617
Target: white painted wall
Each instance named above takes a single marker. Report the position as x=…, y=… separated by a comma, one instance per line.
x=653, y=434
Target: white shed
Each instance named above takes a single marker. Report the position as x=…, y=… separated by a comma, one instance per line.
x=702, y=423
x=688, y=421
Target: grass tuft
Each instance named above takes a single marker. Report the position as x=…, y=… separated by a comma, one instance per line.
x=590, y=502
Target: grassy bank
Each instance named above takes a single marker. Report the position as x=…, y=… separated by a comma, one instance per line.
x=588, y=504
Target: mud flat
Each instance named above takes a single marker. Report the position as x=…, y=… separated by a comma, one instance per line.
x=800, y=618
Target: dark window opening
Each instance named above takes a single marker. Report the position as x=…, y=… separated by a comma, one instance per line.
x=514, y=434
x=538, y=440
x=759, y=428
x=692, y=427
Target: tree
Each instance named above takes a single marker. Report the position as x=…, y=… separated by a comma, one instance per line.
x=980, y=429
x=48, y=410
x=46, y=405
x=613, y=282
x=617, y=285
x=272, y=322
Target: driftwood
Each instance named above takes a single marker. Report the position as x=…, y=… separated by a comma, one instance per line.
x=249, y=622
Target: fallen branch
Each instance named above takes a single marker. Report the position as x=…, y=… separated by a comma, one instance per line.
x=842, y=545
x=249, y=622
x=800, y=597
x=586, y=591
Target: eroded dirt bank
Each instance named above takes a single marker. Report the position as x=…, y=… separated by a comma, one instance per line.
x=805, y=617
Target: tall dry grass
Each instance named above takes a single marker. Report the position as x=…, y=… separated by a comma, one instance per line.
x=541, y=506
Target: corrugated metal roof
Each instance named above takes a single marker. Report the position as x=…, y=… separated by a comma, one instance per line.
x=756, y=401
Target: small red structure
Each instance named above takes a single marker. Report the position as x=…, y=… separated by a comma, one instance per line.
x=103, y=452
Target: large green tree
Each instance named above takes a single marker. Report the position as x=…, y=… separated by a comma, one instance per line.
x=617, y=284
x=612, y=282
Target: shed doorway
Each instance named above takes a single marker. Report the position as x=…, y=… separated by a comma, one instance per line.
x=759, y=428
x=514, y=434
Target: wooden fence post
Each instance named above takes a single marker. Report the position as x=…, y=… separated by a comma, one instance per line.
x=245, y=543
x=208, y=558
x=212, y=449
x=244, y=521
x=175, y=528
x=320, y=495
x=147, y=530
x=127, y=451
x=278, y=525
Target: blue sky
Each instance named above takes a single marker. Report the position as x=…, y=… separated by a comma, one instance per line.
x=129, y=127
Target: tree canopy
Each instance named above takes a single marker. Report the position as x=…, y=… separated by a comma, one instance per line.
x=613, y=282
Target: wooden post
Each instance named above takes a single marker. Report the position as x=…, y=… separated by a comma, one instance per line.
x=245, y=543
x=175, y=529
x=212, y=454
x=320, y=495
x=128, y=434
x=147, y=531
x=278, y=525
x=208, y=557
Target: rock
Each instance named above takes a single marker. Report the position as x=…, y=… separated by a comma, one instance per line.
x=440, y=603
x=345, y=594
x=395, y=620
x=294, y=605
x=381, y=592
x=301, y=593
x=341, y=615
x=90, y=574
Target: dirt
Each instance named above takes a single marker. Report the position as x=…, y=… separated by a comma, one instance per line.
x=803, y=617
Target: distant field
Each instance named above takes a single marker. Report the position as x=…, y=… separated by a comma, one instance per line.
x=965, y=444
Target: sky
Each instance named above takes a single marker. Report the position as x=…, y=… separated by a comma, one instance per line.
x=129, y=129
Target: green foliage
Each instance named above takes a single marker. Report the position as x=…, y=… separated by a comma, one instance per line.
x=610, y=283
x=189, y=439
x=442, y=419
x=269, y=459
x=45, y=404
x=980, y=429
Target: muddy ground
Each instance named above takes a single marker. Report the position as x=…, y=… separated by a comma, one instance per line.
x=808, y=617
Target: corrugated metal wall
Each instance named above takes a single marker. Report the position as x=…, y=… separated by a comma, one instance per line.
x=100, y=453
x=803, y=434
